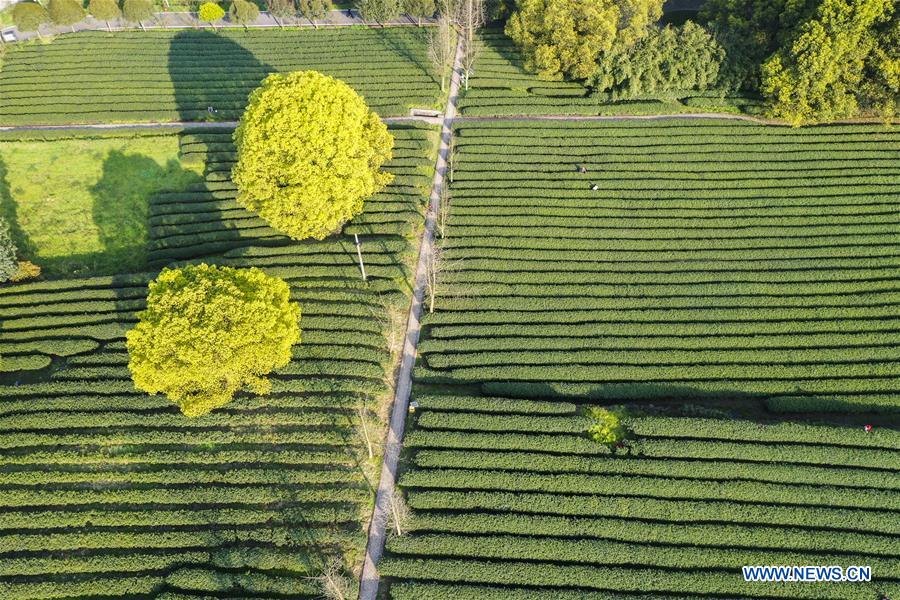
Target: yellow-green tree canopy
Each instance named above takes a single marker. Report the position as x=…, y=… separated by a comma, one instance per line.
x=818, y=76
x=564, y=38
x=309, y=153
x=210, y=12
x=209, y=332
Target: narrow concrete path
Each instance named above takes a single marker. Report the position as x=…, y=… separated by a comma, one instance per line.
x=175, y=20
x=181, y=124
x=377, y=528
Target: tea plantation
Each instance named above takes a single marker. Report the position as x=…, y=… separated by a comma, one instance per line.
x=92, y=77
x=108, y=491
x=712, y=258
x=733, y=288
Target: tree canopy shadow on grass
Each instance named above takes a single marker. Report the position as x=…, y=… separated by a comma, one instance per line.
x=121, y=209
x=9, y=212
x=211, y=70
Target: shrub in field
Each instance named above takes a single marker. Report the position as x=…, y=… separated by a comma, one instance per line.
x=29, y=16
x=105, y=10
x=563, y=38
x=607, y=427
x=309, y=153
x=314, y=10
x=137, y=11
x=210, y=12
x=65, y=12
x=8, y=264
x=209, y=332
x=26, y=270
x=243, y=12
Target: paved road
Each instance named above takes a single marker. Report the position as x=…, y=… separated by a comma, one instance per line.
x=369, y=580
x=189, y=20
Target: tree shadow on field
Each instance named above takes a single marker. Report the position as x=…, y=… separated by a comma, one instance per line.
x=212, y=75
x=9, y=212
x=398, y=40
x=123, y=203
x=687, y=401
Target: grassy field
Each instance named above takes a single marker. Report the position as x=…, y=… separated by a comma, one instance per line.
x=177, y=75
x=81, y=206
x=501, y=86
x=734, y=287
x=107, y=490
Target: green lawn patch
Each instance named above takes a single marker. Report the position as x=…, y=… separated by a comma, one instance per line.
x=81, y=206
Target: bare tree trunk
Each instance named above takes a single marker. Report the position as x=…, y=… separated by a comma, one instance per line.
x=108, y=28
x=444, y=212
x=470, y=16
x=365, y=431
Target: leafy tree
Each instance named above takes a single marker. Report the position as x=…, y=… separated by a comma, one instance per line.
x=105, y=10
x=243, y=12
x=137, y=11
x=607, y=427
x=29, y=16
x=679, y=58
x=8, y=264
x=210, y=12
x=315, y=10
x=65, y=12
x=750, y=31
x=881, y=89
x=818, y=76
x=379, y=11
x=419, y=9
x=282, y=9
x=564, y=38
x=209, y=332
x=309, y=153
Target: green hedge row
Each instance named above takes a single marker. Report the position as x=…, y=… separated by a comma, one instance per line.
x=606, y=552
x=715, y=466
x=723, y=582
x=674, y=510
x=632, y=485
x=663, y=532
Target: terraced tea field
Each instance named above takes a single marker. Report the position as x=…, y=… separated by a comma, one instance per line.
x=512, y=501
x=711, y=259
x=178, y=75
x=106, y=490
x=734, y=287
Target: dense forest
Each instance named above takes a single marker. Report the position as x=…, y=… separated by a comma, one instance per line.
x=811, y=60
